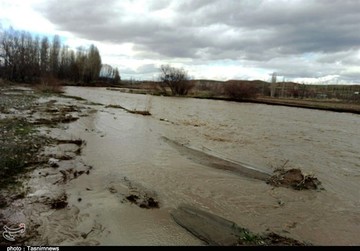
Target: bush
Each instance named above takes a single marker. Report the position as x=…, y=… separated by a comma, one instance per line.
x=176, y=79
x=49, y=84
x=240, y=91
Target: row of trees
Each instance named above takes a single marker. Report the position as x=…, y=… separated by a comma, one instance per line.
x=24, y=58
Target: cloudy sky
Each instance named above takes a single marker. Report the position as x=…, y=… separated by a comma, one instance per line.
x=301, y=40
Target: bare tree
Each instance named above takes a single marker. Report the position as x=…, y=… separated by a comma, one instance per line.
x=55, y=55
x=110, y=74
x=106, y=71
x=273, y=84
x=44, y=56
x=117, y=77
x=80, y=60
x=92, y=64
x=176, y=79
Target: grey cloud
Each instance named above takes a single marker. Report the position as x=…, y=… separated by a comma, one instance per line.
x=148, y=68
x=320, y=26
x=302, y=27
x=79, y=14
x=348, y=57
x=254, y=30
x=350, y=75
x=144, y=69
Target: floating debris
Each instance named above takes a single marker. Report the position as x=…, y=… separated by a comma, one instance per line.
x=293, y=178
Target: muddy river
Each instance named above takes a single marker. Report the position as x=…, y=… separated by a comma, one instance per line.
x=128, y=151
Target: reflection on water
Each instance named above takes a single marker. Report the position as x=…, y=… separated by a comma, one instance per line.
x=122, y=146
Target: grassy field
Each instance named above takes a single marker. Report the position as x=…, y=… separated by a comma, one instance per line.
x=321, y=104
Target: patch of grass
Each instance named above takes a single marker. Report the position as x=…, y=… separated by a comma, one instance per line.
x=18, y=147
x=245, y=237
x=49, y=84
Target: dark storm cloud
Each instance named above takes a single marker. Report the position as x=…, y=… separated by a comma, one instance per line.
x=290, y=27
x=255, y=30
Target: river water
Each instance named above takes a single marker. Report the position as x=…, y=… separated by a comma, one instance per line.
x=124, y=147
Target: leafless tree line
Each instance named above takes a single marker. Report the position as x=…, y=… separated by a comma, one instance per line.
x=110, y=74
x=24, y=58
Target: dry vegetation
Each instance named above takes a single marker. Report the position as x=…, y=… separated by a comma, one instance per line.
x=49, y=84
x=240, y=91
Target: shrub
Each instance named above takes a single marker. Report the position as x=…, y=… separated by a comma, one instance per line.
x=240, y=91
x=49, y=84
x=176, y=79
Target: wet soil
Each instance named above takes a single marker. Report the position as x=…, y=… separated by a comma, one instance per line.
x=129, y=191
x=27, y=151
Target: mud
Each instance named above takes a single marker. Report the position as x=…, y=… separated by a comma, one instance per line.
x=55, y=164
x=135, y=193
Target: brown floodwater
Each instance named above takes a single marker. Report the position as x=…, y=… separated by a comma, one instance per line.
x=128, y=152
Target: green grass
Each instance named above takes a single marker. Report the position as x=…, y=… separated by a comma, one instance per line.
x=245, y=237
